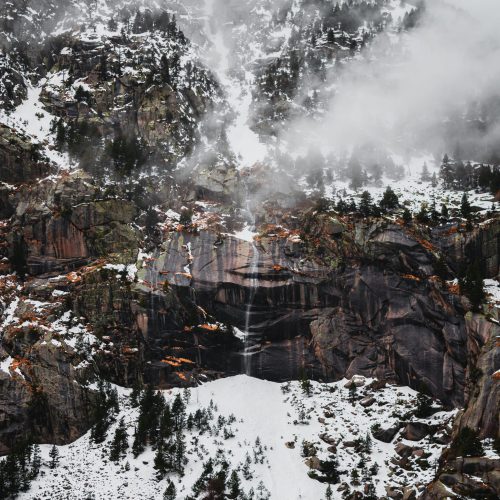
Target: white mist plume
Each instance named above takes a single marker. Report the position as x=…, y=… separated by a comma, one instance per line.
x=406, y=96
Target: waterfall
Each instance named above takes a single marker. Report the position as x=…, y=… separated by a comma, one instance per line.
x=232, y=68
x=249, y=344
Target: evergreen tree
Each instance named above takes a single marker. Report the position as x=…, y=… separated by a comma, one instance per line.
x=424, y=406
x=180, y=451
x=467, y=444
x=423, y=214
x=234, y=486
x=441, y=269
x=465, y=207
x=365, y=205
x=390, y=199
x=425, y=173
x=407, y=217
x=329, y=493
x=36, y=461
x=444, y=211
x=355, y=477
x=54, y=457
x=170, y=492
x=356, y=174
x=434, y=181
x=120, y=442
x=352, y=392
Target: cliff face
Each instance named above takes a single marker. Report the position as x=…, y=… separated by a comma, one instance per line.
x=331, y=298
x=129, y=268
x=366, y=315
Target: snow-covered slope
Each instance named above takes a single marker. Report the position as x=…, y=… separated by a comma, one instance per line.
x=285, y=420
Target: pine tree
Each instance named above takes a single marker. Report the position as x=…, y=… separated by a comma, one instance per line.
x=425, y=173
x=365, y=205
x=423, y=214
x=352, y=392
x=36, y=461
x=368, y=444
x=390, y=199
x=170, y=492
x=160, y=462
x=54, y=457
x=120, y=442
x=234, y=486
x=329, y=493
x=467, y=443
x=444, y=211
x=355, y=477
x=407, y=217
x=441, y=269
x=434, y=181
x=472, y=285
x=465, y=207
x=180, y=450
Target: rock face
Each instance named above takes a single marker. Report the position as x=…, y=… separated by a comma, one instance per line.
x=473, y=477
x=43, y=394
x=460, y=246
x=20, y=159
x=63, y=226
x=371, y=316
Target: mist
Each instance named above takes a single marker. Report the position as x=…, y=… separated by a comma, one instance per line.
x=433, y=89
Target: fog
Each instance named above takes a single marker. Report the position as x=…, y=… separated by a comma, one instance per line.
x=434, y=89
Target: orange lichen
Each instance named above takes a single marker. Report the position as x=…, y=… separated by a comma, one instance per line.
x=427, y=245
x=176, y=362
x=74, y=277
x=210, y=328
x=454, y=288
x=411, y=277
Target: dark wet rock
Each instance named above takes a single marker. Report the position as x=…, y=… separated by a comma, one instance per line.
x=416, y=431
x=20, y=159
x=403, y=450
x=386, y=434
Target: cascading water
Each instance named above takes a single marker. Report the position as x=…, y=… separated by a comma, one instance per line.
x=236, y=79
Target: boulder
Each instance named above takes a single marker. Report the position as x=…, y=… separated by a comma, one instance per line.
x=416, y=431
x=386, y=435
x=403, y=450
x=313, y=463
x=367, y=401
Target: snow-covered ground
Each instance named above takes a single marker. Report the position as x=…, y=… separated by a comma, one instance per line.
x=33, y=120
x=412, y=190
x=280, y=416
x=492, y=289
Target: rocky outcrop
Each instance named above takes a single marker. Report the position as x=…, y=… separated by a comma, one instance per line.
x=63, y=224
x=360, y=309
x=44, y=395
x=482, y=411
x=20, y=159
x=461, y=246
x=467, y=477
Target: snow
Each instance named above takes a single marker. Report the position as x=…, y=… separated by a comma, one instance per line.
x=244, y=142
x=5, y=364
x=246, y=234
x=130, y=270
x=274, y=413
x=492, y=289
x=31, y=119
